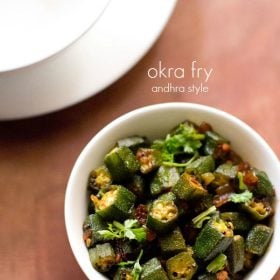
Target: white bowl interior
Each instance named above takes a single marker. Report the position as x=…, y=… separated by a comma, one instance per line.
x=32, y=30
x=154, y=122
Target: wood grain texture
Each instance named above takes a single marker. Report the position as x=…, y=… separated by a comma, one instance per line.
x=239, y=39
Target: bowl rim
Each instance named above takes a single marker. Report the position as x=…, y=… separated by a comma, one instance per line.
x=274, y=266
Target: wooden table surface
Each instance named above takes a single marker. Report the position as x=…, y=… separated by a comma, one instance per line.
x=238, y=39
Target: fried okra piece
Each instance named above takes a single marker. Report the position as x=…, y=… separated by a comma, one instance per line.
x=121, y=163
x=257, y=210
x=153, y=270
x=236, y=254
x=214, y=238
x=164, y=179
x=188, y=188
x=102, y=257
x=162, y=215
x=181, y=267
x=258, y=239
x=99, y=177
x=115, y=203
x=172, y=243
x=149, y=159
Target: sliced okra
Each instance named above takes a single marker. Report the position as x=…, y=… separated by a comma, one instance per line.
x=162, y=215
x=227, y=169
x=172, y=243
x=121, y=163
x=217, y=264
x=132, y=142
x=102, y=257
x=164, y=179
x=181, y=267
x=188, y=188
x=239, y=220
x=153, y=270
x=264, y=186
x=258, y=210
x=149, y=159
x=99, y=178
x=116, y=203
x=202, y=165
x=214, y=238
x=93, y=223
x=137, y=185
x=236, y=254
x=258, y=239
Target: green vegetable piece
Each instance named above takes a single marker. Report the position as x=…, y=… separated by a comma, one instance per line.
x=201, y=165
x=102, y=257
x=258, y=239
x=121, y=163
x=239, y=220
x=92, y=225
x=152, y=270
x=136, y=185
x=149, y=159
x=207, y=178
x=181, y=267
x=188, y=188
x=212, y=140
x=116, y=203
x=165, y=179
x=236, y=254
x=99, y=177
x=227, y=169
x=241, y=197
x=172, y=243
x=162, y=215
x=257, y=210
x=123, y=273
x=264, y=186
x=214, y=238
x=132, y=142
x=216, y=137
x=168, y=196
x=242, y=185
x=217, y=264
x=204, y=216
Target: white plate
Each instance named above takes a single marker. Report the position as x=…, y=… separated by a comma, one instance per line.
x=32, y=30
x=120, y=37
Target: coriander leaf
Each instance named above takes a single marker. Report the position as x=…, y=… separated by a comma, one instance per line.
x=130, y=229
x=124, y=264
x=130, y=223
x=118, y=225
x=185, y=139
x=241, y=197
x=140, y=234
x=129, y=234
x=204, y=216
x=108, y=234
x=137, y=268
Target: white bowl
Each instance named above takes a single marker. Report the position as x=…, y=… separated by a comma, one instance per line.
x=33, y=30
x=155, y=121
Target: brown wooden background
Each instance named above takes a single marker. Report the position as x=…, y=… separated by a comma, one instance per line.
x=239, y=39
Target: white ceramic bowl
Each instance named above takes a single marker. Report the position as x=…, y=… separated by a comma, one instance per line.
x=155, y=121
x=33, y=30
